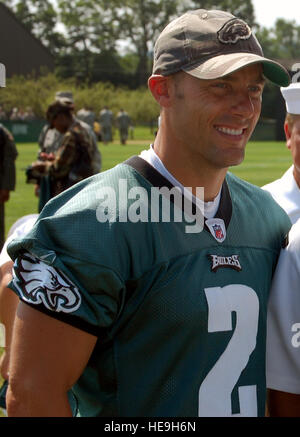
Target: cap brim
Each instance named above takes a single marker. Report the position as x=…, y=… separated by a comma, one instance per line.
x=65, y=101
x=222, y=65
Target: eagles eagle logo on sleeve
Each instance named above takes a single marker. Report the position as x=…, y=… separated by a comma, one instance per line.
x=39, y=283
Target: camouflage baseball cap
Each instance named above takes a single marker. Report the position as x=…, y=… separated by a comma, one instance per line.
x=64, y=96
x=210, y=45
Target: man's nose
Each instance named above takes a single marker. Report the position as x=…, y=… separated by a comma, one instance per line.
x=243, y=106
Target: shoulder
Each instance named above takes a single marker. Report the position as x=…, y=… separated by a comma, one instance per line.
x=258, y=210
x=72, y=133
x=84, y=198
x=80, y=128
x=72, y=225
x=272, y=186
x=80, y=124
x=281, y=185
x=294, y=239
x=20, y=226
x=6, y=132
x=240, y=188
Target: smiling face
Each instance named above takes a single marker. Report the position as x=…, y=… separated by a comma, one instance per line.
x=212, y=120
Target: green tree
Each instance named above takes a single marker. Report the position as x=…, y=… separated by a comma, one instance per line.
x=44, y=23
x=24, y=15
x=88, y=24
x=40, y=18
x=139, y=22
x=90, y=32
x=97, y=32
x=281, y=41
x=241, y=8
x=8, y=3
x=95, y=26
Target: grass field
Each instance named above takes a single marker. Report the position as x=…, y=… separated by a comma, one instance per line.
x=264, y=162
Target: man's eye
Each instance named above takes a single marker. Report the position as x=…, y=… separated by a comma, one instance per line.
x=221, y=85
x=255, y=89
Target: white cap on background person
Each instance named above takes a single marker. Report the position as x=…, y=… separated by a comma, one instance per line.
x=291, y=95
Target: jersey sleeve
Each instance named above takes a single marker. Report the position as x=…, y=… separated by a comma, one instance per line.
x=8, y=170
x=283, y=323
x=65, y=295
x=64, y=268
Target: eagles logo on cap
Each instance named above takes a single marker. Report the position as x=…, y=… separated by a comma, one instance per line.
x=233, y=31
x=209, y=45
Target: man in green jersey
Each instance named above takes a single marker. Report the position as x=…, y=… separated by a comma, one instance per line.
x=140, y=291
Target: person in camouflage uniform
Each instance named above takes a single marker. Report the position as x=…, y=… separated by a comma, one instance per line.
x=123, y=122
x=87, y=115
x=73, y=160
x=50, y=139
x=106, y=122
x=8, y=155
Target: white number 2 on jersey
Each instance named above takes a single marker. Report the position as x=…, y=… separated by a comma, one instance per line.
x=215, y=391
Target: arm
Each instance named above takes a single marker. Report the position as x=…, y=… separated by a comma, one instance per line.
x=282, y=404
x=4, y=195
x=47, y=358
x=64, y=158
x=8, y=178
x=59, y=165
x=8, y=305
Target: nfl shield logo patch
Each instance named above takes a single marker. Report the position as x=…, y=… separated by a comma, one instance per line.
x=217, y=229
x=218, y=232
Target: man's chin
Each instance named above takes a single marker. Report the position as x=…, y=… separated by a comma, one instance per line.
x=234, y=159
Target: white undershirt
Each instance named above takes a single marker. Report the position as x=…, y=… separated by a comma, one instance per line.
x=210, y=208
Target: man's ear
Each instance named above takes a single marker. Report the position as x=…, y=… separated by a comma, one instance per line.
x=159, y=87
x=287, y=134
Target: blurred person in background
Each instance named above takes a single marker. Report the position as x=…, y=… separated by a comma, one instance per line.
x=123, y=122
x=286, y=190
x=50, y=140
x=106, y=119
x=87, y=115
x=72, y=161
x=8, y=155
x=283, y=333
x=29, y=115
x=3, y=115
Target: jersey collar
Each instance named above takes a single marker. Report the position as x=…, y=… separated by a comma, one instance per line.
x=158, y=180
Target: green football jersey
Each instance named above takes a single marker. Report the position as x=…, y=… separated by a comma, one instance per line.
x=180, y=315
